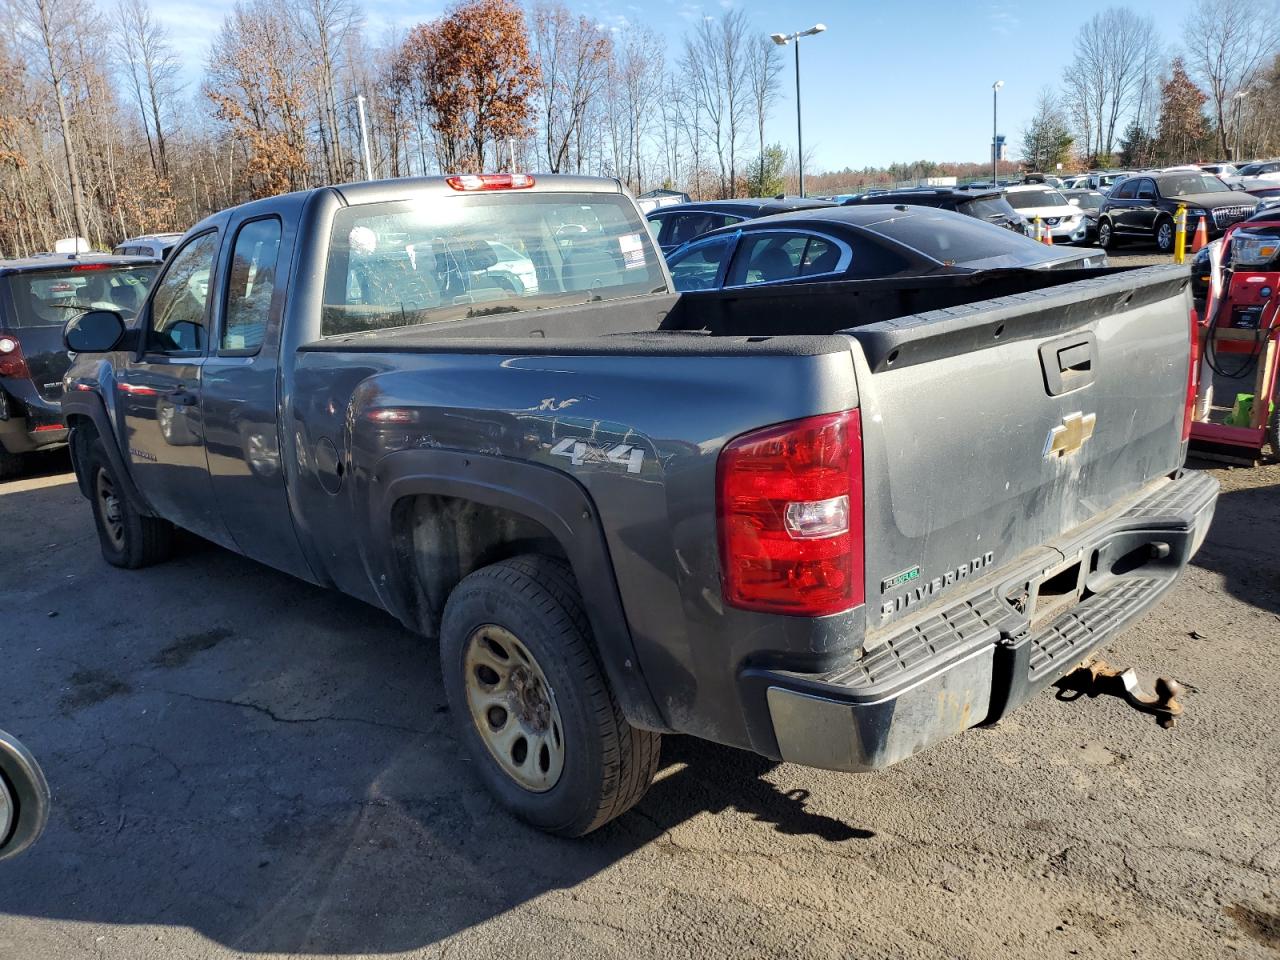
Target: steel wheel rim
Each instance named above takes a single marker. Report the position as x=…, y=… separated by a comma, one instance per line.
x=1164, y=238
x=109, y=509
x=513, y=708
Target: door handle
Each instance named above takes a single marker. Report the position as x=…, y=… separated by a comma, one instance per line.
x=181, y=398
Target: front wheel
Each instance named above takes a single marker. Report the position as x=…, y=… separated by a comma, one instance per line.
x=531, y=701
x=11, y=464
x=1164, y=236
x=1106, y=235
x=128, y=538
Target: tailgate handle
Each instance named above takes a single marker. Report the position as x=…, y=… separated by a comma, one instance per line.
x=1069, y=363
x=1078, y=358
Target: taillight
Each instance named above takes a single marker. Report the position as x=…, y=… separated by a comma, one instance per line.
x=789, y=508
x=490, y=181
x=12, y=362
x=1193, y=377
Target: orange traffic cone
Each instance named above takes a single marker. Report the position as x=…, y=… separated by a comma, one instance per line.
x=1048, y=235
x=1201, y=239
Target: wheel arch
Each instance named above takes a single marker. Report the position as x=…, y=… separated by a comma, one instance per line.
x=437, y=515
x=86, y=415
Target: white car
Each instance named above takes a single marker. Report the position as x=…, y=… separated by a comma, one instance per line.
x=158, y=245
x=1261, y=170
x=1064, y=221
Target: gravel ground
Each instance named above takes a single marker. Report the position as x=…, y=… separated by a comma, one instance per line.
x=244, y=765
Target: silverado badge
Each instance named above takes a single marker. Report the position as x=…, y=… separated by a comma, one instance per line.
x=1070, y=435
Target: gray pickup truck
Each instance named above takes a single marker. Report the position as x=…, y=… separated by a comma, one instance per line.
x=833, y=524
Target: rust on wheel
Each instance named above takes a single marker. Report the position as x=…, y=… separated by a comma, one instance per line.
x=514, y=708
x=109, y=509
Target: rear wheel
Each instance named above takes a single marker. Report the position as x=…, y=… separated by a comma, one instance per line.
x=531, y=701
x=1106, y=235
x=1164, y=235
x=128, y=538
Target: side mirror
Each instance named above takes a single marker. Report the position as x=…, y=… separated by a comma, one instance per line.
x=98, y=331
x=24, y=797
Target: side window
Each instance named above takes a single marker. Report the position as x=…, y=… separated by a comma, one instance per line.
x=683, y=227
x=1126, y=190
x=1146, y=189
x=655, y=226
x=178, y=309
x=699, y=266
x=251, y=280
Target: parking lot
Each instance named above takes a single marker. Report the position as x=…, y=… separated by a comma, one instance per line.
x=244, y=765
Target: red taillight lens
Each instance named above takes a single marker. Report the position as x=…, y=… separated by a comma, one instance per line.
x=12, y=362
x=491, y=181
x=1193, y=377
x=789, y=507
x=92, y=266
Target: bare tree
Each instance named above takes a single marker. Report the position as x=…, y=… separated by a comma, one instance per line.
x=151, y=68
x=48, y=28
x=1229, y=44
x=323, y=27
x=1116, y=59
x=715, y=65
x=575, y=58
x=764, y=67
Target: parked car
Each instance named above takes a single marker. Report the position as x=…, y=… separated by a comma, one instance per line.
x=1065, y=221
x=1226, y=172
x=1076, y=182
x=38, y=295
x=819, y=523
x=859, y=243
x=677, y=225
x=1260, y=188
x=1143, y=207
x=157, y=245
x=1261, y=170
x=1089, y=203
x=989, y=205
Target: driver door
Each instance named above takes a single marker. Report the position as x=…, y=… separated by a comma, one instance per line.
x=159, y=393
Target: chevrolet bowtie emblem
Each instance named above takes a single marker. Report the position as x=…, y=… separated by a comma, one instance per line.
x=1070, y=435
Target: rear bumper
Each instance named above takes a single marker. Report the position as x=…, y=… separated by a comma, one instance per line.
x=975, y=657
x=29, y=423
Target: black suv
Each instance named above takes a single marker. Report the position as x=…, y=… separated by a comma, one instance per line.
x=1142, y=207
x=988, y=205
x=676, y=225
x=37, y=297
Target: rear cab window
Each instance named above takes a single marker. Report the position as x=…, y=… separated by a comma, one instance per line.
x=44, y=298
x=442, y=258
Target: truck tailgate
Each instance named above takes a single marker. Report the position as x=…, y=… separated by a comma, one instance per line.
x=992, y=428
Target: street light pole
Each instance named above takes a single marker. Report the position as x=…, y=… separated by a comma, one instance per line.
x=782, y=39
x=1240, y=95
x=995, y=147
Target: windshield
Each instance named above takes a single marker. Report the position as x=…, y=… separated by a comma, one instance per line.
x=52, y=297
x=950, y=239
x=1183, y=184
x=1089, y=201
x=989, y=208
x=447, y=258
x=1024, y=199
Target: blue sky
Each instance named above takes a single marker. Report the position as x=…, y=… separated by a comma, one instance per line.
x=886, y=82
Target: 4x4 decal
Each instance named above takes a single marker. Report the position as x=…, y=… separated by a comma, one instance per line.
x=580, y=452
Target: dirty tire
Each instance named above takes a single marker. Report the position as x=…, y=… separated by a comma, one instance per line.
x=608, y=764
x=128, y=538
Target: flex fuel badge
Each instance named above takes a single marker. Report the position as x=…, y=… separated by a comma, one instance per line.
x=898, y=579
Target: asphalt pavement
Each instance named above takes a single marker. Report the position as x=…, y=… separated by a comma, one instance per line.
x=247, y=766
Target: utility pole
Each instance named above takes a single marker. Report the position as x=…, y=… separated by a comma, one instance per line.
x=995, y=136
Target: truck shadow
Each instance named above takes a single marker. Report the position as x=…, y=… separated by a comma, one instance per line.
x=271, y=765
